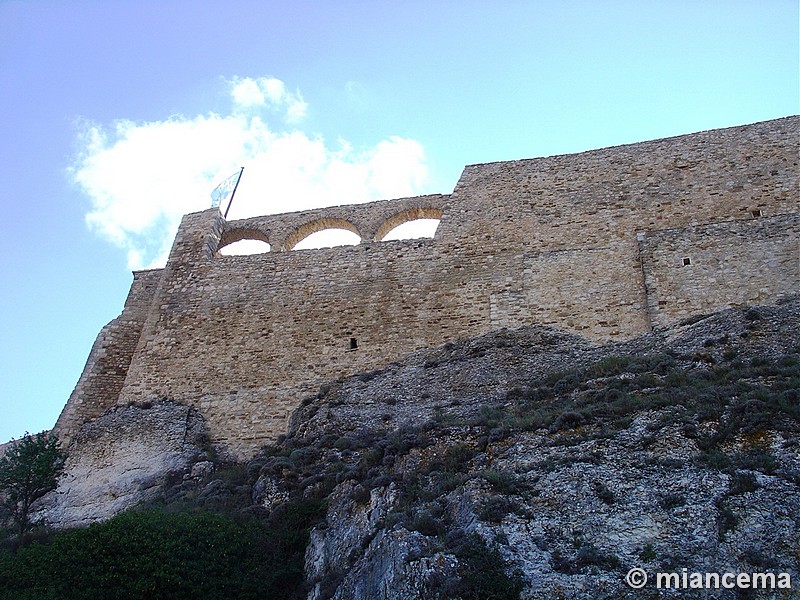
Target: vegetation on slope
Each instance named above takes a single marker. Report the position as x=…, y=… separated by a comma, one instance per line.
x=180, y=551
x=738, y=397
x=165, y=554
x=29, y=469
x=743, y=396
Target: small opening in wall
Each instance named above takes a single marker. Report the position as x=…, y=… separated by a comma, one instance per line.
x=353, y=344
x=756, y=213
x=687, y=261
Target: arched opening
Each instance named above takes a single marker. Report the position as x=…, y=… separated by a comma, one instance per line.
x=240, y=242
x=244, y=248
x=323, y=233
x=410, y=224
x=328, y=238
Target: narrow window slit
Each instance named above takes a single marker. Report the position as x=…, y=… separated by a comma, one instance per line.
x=353, y=344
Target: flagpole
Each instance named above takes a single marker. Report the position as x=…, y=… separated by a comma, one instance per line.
x=225, y=216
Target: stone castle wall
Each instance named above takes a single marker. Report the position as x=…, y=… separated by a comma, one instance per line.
x=594, y=243
x=739, y=263
x=107, y=366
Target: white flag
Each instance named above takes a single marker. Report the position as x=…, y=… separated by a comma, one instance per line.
x=224, y=189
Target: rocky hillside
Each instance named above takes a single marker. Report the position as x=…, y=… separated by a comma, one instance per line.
x=522, y=464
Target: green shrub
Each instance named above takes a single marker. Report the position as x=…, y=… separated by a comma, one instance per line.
x=672, y=501
x=589, y=555
x=609, y=365
x=153, y=554
x=456, y=457
x=360, y=494
x=504, y=482
x=757, y=459
x=482, y=572
x=726, y=519
x=752, y=314
x=427, y=523
x=648, y=553
x=344, y=443
x=605, y=495
x=567, y=420
x=495, y=509
x=743, y=483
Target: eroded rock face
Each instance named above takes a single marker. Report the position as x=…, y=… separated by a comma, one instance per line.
x=531, y=460
x=590, y=512
x=423, y=467
x=570, y=516
x=356, y=556
x=122, y=459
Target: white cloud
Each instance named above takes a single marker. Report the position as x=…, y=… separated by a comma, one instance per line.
x=142, y=177
x=247, y=93
x=250, y=93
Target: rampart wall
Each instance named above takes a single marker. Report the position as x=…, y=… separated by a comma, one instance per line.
x=107, y=366
x=595, y=243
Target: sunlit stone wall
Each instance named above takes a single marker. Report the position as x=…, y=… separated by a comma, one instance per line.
x=593, y=243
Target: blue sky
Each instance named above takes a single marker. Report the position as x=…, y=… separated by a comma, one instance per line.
x=118, y=117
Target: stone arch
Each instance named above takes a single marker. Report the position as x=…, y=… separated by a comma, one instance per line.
x=306, y=229
x=412, y=214
x=231, y=236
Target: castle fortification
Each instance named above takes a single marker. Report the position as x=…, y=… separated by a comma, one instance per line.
x=609, y=244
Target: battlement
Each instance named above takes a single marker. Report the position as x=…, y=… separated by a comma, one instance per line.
x=608, y=244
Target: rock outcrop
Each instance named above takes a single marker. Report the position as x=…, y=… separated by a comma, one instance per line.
x=570, y=462
x=122, y=459
x=525, y=463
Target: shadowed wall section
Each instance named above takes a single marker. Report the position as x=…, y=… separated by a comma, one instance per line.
x=107, y=366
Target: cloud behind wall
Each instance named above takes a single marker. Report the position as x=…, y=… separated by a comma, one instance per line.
x=142, y=177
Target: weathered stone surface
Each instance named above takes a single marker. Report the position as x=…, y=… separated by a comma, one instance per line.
x=661, y=518
x=607, y=244
x=460, y=378
x=576, y=508
x=107, y=365
x=202, y=469
x=416, y=470
x=121, y=459
x=355, y=556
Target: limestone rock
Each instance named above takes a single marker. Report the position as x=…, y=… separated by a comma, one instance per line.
x=569, y=509
x=358, y=557
x=434, y=470
x=122, y=459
